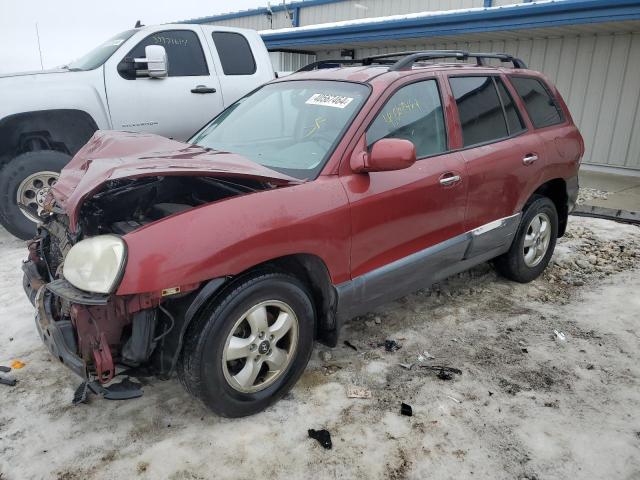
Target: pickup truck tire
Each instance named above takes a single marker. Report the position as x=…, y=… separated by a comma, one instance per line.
x=533, y=244
x=247, y=349
x=29, y=175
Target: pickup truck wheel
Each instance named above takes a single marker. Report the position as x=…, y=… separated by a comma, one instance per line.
x=27, y=179
x=533, y=244
x=251, y=346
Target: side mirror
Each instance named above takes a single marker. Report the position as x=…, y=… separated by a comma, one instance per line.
x=386, y=154
x=156, y=60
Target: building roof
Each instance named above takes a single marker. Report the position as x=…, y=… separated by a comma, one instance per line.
x=544, y=14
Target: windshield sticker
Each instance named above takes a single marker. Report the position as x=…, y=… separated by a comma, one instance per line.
x=337, y=101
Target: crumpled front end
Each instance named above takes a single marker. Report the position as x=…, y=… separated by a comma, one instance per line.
x=88, y=332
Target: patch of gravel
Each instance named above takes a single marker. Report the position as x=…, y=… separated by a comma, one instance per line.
x=586, y=194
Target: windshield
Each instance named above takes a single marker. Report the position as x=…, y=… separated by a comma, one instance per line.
x=291, y=127
x=101, y=53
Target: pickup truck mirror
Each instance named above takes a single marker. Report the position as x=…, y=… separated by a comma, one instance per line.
x=157, y=64
x=386, y=154
x=154, y=65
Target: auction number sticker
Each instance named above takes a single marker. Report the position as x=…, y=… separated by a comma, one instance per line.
x=337, y=101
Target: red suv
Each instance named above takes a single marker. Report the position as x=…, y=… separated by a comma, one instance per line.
x=311, y=200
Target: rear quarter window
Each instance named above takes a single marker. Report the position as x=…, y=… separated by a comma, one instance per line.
x=542, y=107
x=235, y=53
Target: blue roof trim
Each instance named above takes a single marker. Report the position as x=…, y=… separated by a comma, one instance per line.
x=564, y=12
x=260, y=11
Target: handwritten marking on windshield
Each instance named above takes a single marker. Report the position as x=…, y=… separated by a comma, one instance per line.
x=315, y=127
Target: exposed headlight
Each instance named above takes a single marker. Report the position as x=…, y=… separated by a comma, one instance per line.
x=96, y=264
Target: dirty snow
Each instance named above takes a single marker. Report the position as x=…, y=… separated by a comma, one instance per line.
x=526, y=406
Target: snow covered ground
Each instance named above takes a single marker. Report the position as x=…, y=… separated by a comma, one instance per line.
x=526, y=406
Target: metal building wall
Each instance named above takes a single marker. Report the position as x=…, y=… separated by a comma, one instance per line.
x=597, y=75
x=349, y=10
x=257, y=22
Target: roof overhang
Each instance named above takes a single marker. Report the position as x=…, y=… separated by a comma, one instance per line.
x=541, y=15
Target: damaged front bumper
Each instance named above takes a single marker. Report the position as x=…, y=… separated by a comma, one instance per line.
x=58, y=336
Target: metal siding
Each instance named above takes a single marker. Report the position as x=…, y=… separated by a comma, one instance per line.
x=348, y=10
x=257, y=22
x=625, y=147
x=597, y=75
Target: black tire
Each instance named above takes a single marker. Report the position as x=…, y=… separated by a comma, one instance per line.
x=512, y=264
x=200, y=367
x=12, y=175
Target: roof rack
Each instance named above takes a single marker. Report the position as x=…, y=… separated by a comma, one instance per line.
x=411, y=57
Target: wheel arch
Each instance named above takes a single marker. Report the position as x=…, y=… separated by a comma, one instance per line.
x=64, y=130
x=556, y=190
x=309, y=269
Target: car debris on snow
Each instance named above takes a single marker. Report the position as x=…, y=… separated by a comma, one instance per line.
x=425, y=356
x=560, y=336
x=354, y=391
x=322, y=436
x=406, y=410
x=347, y=343
x=444, y=372
x=390, y=346
x=5, y=380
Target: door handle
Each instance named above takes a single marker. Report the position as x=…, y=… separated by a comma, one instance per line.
x=450, y=180
x=203, y=89
x=529, y=158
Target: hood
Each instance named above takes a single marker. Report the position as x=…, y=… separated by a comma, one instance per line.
x=111, y=155
x=35, y=72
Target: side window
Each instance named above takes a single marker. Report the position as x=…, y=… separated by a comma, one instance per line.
x=184, y=52
x=514, y=121
x=540, y=104
x=413, y=113
x=235, y=53
x=480, y=110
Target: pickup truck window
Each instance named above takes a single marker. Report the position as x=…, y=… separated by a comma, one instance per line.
x=291, y=127
x=101, y=53
x=481, y=115
x=413, y=113
x=184, y=52
x=235, y=53
x=540, y=104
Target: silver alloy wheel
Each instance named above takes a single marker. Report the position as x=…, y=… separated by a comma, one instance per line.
x=536, y=240
x=260, y=347
x=33, y=191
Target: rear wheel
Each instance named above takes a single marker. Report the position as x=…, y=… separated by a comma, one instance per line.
x=533, y=244
x=249, y=348
x=26, y=180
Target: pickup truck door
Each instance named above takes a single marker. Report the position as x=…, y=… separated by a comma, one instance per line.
x=175, y=106
x=405, y=222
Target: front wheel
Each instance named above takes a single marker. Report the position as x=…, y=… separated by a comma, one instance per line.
x=26, y=180
x=533, y=244
x=249, y=348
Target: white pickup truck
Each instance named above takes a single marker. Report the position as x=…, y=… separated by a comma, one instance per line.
x=165, y=79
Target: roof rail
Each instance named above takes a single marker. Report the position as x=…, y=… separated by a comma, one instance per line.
x=339, y=62
x=409, y=60
x=411, y=57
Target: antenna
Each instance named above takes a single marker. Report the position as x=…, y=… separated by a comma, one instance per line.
x=39, y=48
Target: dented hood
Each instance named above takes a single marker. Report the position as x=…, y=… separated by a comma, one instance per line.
x=111, y=155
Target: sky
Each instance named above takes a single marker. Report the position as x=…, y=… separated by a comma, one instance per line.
x=70, y=28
